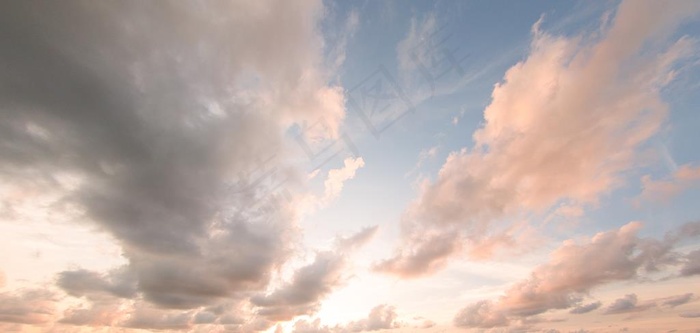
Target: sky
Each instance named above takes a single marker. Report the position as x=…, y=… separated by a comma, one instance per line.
x=344, y=167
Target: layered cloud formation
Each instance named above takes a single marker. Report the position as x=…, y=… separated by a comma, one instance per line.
x=575, y=269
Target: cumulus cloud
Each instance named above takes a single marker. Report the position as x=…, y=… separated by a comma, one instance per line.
x=664, y=190
x=303, y=294
x=563, y=126
x=572, y=271
x=480, y=314
x=337, y=177
x=167, y=117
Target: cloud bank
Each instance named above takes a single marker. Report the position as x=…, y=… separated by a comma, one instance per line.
x=574, y=270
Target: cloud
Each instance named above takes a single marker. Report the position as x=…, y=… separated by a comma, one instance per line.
x=304, y=293
x=102, y=311
x=677, y=300
x=664, y=190
x=337, y=177
x=315, y=326
x=33, y=306
x=381, y=317
x=572, y=271
x=167, y=118
x=692, y=264
x=352, y=242
x=690, y=314
x=565, y=125
x=311, y=283
x=481, y=314
x=151, y=318
x=333, y=185
x=425, y=254
x=627, y=304
x=580, y=309
x=81, y=282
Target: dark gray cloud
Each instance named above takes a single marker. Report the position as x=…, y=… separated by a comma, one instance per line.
x=627, y=304
x=166, y=113
x=303, y=294
x=580, y=309
x=119, y=282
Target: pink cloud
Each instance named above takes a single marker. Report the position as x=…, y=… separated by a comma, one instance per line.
x=573, y=270
x=664, y=190
x=563, y=126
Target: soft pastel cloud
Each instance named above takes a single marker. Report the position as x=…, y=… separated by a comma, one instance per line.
x=563, y=126
x=573, y=271
x=664, y=190
x=337, y=177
